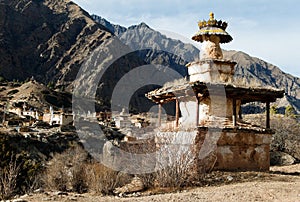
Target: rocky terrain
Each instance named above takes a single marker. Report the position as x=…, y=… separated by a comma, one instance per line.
x=258, y=71
x=50, y=40
x=46, y=39
x=35, y=94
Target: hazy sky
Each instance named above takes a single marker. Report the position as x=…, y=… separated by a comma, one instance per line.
x=267, y=29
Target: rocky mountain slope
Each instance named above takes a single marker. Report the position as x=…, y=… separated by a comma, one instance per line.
x=253, y=69
x=36, y=95
x=51, y=39
x=141, y=37
x=47, y=39
x=249, y=69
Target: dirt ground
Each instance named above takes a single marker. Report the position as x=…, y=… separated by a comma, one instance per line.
x=280, y=184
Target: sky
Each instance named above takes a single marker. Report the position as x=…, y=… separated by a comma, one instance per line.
x=267, y=29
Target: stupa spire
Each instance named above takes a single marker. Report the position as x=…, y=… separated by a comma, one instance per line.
x=211, y=34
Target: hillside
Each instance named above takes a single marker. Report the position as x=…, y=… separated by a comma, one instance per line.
x=46, y=39
x=152, y=46
x=35, y=95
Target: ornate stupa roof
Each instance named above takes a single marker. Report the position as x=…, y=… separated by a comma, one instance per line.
x=212, y=27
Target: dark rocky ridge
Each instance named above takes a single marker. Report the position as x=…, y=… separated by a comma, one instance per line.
x=115, y=29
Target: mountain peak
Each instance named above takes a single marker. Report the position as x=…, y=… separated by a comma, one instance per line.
x=141, y=25
x=115, y=29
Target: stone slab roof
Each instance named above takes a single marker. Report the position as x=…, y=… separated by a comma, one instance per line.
x=202, y=90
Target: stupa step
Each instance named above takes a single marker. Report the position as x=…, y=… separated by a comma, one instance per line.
x=211, y=71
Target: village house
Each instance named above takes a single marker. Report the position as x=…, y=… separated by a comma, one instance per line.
x=23, y=110
x=58, y=117
x=122, y=120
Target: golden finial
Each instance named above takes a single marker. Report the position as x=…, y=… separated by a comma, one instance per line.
x=200, y=24
x=212, y=16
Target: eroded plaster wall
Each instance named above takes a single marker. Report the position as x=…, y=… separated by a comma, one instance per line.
x=243, y=151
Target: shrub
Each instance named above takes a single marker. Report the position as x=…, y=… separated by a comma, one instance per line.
x=79, y=178
x=290, y=111
x=148, y=179
x=56, y=176
x=72, y=171
x=273, y=110
x=15, y=159
x=177, y=172
x=104, y=180
x=66, y=171
x=51, y=85
x=8, y=180
x=287, y=130
x=2, y=79
x=180, y=164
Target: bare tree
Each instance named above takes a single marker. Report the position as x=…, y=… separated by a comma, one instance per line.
x=8, y=179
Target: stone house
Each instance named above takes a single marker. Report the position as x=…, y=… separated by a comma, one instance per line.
x=58, y=117
x=22, y=110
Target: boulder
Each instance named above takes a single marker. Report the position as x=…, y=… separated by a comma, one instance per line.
x=134, y=186
x=293, y=148
x=281, y=158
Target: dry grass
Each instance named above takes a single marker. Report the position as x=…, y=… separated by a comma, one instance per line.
x=72, y=171
x=287, y=130
x=66, y=171
x=104, y=180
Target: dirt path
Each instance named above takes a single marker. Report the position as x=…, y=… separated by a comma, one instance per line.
x=249, y=191
x=281, y=184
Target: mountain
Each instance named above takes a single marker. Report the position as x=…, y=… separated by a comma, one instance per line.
x=36, y=95
x=51, y=40
x=114, y=29
x=47, y=39
x=140, y=37
x=249, y=69
x=255, y=70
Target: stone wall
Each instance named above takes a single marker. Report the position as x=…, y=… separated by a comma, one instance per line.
x=208, y=149
x=240, y=150
x=220, y=149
